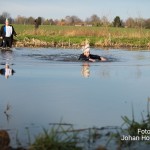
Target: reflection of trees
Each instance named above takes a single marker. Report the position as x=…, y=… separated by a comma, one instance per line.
x=105, y=73
x=136, y=72
x=109, y=71
x=85, y=71
x=139, y=73
x=7, y=55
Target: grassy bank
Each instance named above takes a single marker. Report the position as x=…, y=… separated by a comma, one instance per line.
x=74, y=36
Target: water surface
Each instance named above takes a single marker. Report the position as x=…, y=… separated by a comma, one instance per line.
x=51, y=85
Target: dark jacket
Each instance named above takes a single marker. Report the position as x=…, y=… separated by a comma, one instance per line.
x=2, y=71
x=3, y=32
x=84, y=58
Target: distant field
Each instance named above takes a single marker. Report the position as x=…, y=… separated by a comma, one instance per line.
x=76, y=35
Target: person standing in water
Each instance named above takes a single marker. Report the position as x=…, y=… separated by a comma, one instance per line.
x=6, y=34
x=86, y=56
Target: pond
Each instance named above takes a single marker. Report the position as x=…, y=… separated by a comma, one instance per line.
x=51, y=86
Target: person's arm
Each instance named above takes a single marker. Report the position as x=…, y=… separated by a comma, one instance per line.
x=97, y=57
x=13, y=31
x=1, y=32
x=92, y=60
x=102, y=58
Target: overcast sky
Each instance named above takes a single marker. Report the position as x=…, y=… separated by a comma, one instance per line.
x=58, y=9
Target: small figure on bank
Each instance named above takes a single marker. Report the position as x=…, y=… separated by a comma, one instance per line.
x=36, y=24
x=6, y=34
x=86, y=56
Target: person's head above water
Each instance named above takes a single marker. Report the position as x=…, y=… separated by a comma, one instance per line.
x=86, y=50
x=87, y=56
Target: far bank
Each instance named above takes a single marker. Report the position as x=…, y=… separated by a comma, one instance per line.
x=75, y=36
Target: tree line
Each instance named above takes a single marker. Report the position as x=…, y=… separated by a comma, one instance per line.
x=93, y=20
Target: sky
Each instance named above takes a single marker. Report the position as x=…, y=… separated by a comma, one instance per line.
x=59, y=9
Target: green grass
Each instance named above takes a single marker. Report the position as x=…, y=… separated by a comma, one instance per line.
x=98, y=36
x=58, y=138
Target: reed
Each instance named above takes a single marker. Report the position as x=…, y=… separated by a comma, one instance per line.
x=132, y=127
x=58, y=138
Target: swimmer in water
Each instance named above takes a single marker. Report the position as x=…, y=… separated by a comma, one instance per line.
x=86, y=56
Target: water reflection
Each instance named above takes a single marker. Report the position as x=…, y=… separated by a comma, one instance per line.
x=7, y=112
x=85, y=71
x=7, y=71
x=7, y=55
x=52, y=80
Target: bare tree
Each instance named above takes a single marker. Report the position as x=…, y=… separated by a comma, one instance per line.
x=51, y=21
x=130, y=23
x=105, y=21
x=6, y=15
x=30, y=20
x=3, y=17
x=147, y=23
x=139, y=22
x=94, y=20
x=21, y=20
x=72, y=20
